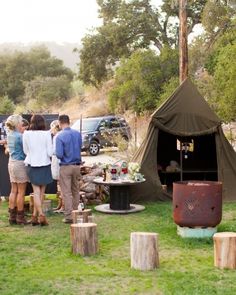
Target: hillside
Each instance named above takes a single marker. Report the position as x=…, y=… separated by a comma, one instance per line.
x=95, y=103
x=63, y=51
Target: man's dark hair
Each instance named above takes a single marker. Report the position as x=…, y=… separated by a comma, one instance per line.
x=37, y=122
x=25, y=123
x=64, y=119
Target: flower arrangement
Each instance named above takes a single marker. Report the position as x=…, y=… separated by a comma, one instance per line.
x=134, y=173
x=133, y=167
x=124, y=171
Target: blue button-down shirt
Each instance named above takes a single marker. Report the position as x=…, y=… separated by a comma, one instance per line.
x=68, y=146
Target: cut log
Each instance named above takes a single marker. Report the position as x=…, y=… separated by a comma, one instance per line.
x=84, y=238
x=144, y=250
x=85, y=213
x=225, y=250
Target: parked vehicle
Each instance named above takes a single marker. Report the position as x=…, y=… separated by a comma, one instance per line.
x=99, y=132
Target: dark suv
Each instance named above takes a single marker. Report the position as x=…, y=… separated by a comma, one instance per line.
x=99, y=132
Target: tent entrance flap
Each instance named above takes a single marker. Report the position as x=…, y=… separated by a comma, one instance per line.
x=193, y=158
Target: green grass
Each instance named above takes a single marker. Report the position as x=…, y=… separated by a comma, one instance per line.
x=35, y=260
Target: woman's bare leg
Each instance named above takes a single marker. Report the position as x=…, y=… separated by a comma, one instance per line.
x=42, y=193
x=37, y=200
x=21, y=195
x=13, y=195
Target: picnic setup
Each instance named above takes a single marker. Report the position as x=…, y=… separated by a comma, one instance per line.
x=185, y=159
x=118, y=147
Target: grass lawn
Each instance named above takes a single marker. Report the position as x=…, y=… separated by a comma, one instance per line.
x=37, y=260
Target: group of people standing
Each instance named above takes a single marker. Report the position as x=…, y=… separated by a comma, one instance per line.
x=30, y=155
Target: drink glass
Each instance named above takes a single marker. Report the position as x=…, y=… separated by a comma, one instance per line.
x=80, y=219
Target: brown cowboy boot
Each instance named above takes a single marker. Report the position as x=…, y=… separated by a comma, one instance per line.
x=42, y=220
x=20, y=218
x=34, y=220
x=12, y=216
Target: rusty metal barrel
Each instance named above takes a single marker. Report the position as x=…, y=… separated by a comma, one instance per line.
x=197, y=203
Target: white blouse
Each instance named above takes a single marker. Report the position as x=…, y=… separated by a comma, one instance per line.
x=38, y=148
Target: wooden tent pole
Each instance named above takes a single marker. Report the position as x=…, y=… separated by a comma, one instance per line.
x=181, y=161
x=183, y=41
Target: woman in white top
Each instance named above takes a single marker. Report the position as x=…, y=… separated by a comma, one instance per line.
x=37, y=145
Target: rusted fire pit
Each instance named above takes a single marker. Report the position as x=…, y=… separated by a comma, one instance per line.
x=197, y=203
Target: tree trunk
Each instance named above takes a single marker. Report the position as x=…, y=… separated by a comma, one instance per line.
x=144, y=250
x=183, y=41
x=84, y=214
x=84, y=238
x=225, y=250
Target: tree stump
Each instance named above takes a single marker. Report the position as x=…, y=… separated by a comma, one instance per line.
x=144, y=250
x=84, y=238
x=225, y=250
x=85, y=213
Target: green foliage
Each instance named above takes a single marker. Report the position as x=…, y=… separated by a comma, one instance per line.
x=168, y=89
x=77, y=88
x=228, y=37
x=216, y=16
x=139, y=79
x=20, y=67
x=48, y=89
x=224, y=82
x=128, y=26
x=6, y=106
x=198, y=52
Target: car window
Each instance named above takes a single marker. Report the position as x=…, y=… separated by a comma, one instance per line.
x=123, y=123
x=104, y=124
x=114, y=123
x=87, y=125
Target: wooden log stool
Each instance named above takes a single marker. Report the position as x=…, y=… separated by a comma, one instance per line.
x=225, y=250
x=84, y=214
x=84, y=239
x=144, y=250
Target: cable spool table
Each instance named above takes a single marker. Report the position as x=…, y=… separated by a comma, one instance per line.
x=119, y=196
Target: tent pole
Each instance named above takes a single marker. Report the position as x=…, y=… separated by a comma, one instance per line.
x=181, y=161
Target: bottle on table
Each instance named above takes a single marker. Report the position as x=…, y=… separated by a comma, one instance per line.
x=81, y=206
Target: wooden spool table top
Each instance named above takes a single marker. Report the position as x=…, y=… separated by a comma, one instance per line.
x=118, y=182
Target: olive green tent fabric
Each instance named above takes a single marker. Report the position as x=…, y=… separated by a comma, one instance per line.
x=226, y=162
x=185, y=113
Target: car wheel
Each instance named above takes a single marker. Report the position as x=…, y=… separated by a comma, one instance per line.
x=94, y=148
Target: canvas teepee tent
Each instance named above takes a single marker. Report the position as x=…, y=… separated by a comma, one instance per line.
x=185, y=116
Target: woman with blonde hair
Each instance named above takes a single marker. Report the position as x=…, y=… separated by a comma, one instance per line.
x=17, y=170
x=37, y=145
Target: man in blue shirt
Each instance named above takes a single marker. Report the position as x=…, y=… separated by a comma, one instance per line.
x=68, y=151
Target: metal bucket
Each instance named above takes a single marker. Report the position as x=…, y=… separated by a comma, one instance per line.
x=197, y=203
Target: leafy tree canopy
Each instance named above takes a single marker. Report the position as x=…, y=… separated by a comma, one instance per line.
x=139, y=79
x=6, y=106
x=47, y=89
x=224, y=83
x=19, y=67
x=127, y=26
